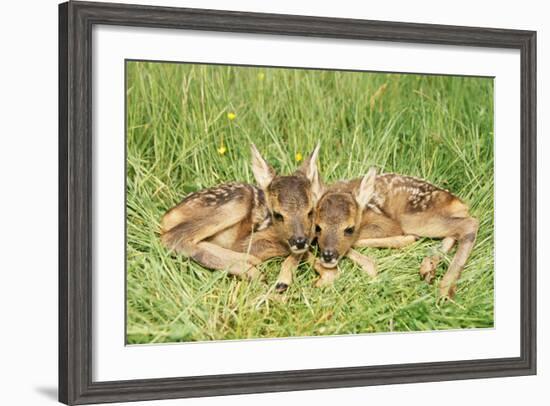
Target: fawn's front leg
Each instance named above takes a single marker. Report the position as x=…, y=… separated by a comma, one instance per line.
x=327, y=276
x=287, y=271
x=265, y=245
x=366, y=264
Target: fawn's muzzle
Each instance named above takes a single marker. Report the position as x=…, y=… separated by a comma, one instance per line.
x=329, y=258
x=297, y=243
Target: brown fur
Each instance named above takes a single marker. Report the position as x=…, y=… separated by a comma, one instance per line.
x=233, y=227
x=400, y=209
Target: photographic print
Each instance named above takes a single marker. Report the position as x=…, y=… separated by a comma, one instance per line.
x=267, y=202
x=317, y=191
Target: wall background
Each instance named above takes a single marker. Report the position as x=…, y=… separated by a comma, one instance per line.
x=28, y=199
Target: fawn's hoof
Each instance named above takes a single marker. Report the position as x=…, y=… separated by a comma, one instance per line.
x=447, y=291
x=281, y=287
x=427, y=269
x=253, y=274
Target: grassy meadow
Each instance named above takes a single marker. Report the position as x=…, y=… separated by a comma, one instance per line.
x=189, y=127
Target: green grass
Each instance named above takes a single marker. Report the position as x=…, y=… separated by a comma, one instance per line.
x=436, y=127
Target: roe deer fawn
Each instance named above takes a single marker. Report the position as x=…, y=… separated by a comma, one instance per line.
x=392, y=211
x=236, y=226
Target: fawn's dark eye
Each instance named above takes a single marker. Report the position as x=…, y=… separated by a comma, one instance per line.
x=317, y=228
x=310, y=214
x=349, y=230
x=277, y=216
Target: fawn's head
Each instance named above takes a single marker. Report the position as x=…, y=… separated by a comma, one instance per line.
x=338, y=219
x=291, y=199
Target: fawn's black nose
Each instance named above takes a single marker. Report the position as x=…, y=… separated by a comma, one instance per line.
x=298, y=242
x=329, y=255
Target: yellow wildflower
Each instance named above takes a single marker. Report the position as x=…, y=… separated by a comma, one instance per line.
x=299, y=157
x=261, y=76
x=222, y=150
x=231, y=116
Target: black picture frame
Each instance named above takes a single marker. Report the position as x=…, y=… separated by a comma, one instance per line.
x=76, y=20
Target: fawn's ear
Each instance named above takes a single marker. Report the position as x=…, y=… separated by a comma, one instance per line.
x=365, y=190
x=309, y=170
x=309, y=166
x=263, y=173
x=317, y=188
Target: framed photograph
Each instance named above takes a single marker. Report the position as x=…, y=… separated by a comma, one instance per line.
x=259, y=202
